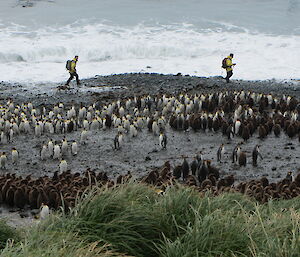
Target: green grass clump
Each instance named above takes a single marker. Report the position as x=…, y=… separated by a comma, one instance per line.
x=7, y=233
x=134, y=220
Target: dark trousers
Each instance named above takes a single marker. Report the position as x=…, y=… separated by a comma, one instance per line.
x=72, y=75
x=229, y=75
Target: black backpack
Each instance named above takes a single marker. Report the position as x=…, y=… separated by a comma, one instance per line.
x=224, y=63
x=68, y=64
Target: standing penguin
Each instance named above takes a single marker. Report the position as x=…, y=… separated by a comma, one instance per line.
x=45, y=212
x=163, y=140
x=255, y=154
x=202, y=171
x=63, y=166
x=14, y=155
x=64, y=147
x=3, y=160
x=50, y=148
x=235, y=154
x=185, y=169
x=118, y=140
x=220, y=152
x=74, y=148
x=155, y=128
x=83, y=137
x=229, y=132
x=290, y=176
x=57, y=152
x=44, y=153
x=194, y=166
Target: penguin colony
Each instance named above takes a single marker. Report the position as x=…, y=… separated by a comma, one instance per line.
x=206, y=178
x=61, y=190
x=235, y=114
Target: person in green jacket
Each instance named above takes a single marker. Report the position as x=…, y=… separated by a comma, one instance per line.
x=228, y=67
x=73, y=72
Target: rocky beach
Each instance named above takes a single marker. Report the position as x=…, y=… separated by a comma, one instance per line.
x=142, y=154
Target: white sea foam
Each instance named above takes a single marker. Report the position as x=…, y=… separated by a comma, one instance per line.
x=37, y=56
x=191, y=38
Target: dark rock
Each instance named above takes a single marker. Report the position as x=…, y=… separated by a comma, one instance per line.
x=24, y=215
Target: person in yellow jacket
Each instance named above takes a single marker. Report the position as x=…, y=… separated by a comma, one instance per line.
x=73, y=72
x=229, y=66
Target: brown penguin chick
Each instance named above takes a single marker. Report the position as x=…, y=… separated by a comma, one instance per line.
x=124, y=179
x=262, y=133
x=191, y=180
x=229, y=180
x=19, y=198
x=195, y=122
x=69, y=202
x=4, y=189
x=221, y=183
x=165, y=171
x=53, y=199
x=213, y=170
x=251, y=127
x=297, y=180
x=41, y=198
x=177, y=172
x=185, y=168
x=151, y=178
x=32, y=198
x=246, y=133
x=277, y=130
x=9, y=199
x=213, y=179
x=292, y=186
x=100, y=176
x=242, y=159
x=206, y=184
x=85, y=182
x=241, y=187
x=224, y=126
x=258, y=194
x=264, y=181
x=291, y=130
x=216, y=125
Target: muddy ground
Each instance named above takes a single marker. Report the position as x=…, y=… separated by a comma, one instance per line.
x=141, y=154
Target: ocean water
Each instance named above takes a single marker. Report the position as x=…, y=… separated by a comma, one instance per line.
x=164, y=36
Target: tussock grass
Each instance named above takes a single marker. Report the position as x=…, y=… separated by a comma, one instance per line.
x=7, y=233
x=134, y=220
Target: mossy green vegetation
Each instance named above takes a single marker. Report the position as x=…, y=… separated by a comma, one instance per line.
x=7, y=234
x=133, y=220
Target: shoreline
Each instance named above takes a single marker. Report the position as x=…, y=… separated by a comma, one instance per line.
x=139, y=83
